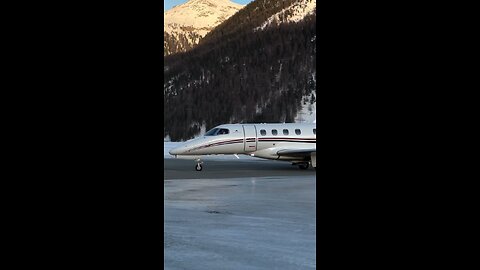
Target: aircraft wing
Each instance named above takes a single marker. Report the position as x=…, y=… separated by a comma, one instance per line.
x=297, y=152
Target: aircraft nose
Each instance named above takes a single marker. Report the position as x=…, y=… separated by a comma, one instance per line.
x=179, y=150
x=174, y=151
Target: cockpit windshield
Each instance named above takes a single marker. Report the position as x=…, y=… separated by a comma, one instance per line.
x=217, y=131
x=222, y=131
x=211, y=132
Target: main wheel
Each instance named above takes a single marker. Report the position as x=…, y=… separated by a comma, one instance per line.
x=198, y=167
x=303, y=166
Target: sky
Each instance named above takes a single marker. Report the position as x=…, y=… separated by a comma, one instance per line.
x=168, y=4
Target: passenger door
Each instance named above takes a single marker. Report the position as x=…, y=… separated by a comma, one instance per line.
x=250, y=138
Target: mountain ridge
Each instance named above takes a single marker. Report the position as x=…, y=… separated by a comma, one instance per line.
x=186, y=24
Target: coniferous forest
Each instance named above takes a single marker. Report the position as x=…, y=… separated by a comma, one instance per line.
x=244, y=75
x=178, y=43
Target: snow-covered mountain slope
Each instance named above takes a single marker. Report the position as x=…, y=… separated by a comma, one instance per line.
x=186, y=24
x=293, y=13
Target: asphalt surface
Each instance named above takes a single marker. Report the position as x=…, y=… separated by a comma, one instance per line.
x=214, y=169
x=239, y=214
x=240, y=223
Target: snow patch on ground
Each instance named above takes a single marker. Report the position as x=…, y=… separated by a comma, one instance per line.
x=308, y=113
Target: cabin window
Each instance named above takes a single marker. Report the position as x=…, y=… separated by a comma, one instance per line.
x=263, y=132
x=314, y=131
x=212, y=132
x=222, y=131
x=298, y=132
x=285, y=132
x=274, y=132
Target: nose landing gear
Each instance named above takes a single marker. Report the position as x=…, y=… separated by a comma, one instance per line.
x=199, y=166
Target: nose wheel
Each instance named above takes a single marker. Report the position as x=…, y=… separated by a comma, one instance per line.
x=199, y=166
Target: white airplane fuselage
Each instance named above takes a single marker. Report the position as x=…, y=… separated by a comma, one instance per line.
x=266, y=141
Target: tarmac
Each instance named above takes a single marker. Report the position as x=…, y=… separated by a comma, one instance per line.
x=239, y=214
x=185, y=169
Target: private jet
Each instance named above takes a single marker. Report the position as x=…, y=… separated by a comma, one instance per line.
x=293, y=142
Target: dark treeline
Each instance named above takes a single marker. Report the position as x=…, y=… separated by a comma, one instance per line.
x=246, y=19
x=261, y=77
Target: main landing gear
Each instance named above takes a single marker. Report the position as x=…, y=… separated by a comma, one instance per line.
x=199, y=166
x=302, y=165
